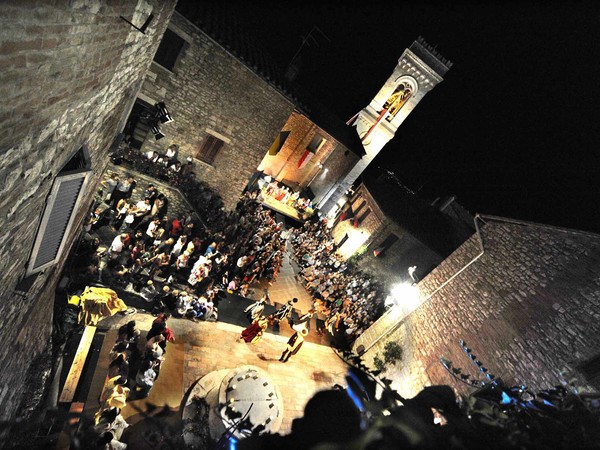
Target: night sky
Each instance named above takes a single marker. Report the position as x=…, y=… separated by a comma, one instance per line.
x=512, y=130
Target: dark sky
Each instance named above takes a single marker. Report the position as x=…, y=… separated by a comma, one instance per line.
x=513, y=130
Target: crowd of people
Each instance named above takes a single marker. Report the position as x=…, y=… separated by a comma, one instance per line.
x=173, y=261
x=349, y=300
x=179, y=265
x=286, y=196
x=124, y=382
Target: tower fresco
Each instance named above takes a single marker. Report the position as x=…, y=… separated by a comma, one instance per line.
x=419, y=70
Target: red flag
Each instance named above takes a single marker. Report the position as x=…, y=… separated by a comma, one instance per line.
x=305, y=158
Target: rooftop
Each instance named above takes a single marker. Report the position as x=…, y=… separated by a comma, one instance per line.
x=215, y=20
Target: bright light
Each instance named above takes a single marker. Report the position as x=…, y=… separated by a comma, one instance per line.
x=406, y=295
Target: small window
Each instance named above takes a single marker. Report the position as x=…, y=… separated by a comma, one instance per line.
x=211, y=147
x=387, y=243
x=316, y=143
x=591, y=371
x=363, y=216
x=360, y=206
x=169, y=49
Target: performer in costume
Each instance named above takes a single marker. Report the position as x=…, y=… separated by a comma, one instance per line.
x=254, y=332
x=295, y=342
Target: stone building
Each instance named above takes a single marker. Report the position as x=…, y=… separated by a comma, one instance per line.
x=335, y=151
x=389, y=229
x=524, y=297
x=230, y=102
x=70, y=74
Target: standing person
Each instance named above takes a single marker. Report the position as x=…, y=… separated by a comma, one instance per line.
x=255, y=310
x=172, y=152
x=144, y=380
x=122, y=208
x=143, y=208
x=122, y=191
x=118, y=245
x=108, y=187
x=152, y=231
x=284, y=312
x=150, y=192
x=159, y=206
x=297, y=339
x=176, y=228
x=255, y=330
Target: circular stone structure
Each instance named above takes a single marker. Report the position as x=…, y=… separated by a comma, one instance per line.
x=248, y=394
x=245, y=394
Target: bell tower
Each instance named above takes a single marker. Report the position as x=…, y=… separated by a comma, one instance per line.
x=419, y=70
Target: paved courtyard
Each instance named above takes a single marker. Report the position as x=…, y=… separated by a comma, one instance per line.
x=203, y=347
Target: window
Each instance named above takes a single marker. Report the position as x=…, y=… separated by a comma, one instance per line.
x=316, y=143
x=59, y=212
x=360, y=206
x=210, y=149
x=169, y=49
x=363, y=216
x=387, y=243
x=591, y=371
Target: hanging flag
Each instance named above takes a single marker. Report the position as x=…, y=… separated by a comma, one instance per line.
x=347, y=214
x=355, y=223
x=278, y=142
x=305, y=158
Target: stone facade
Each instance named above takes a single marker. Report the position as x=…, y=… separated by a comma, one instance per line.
x=528, y=306
x=359, y=237
x=211, y=92
x=70, y=73
x=331, y=161
x=424, y=234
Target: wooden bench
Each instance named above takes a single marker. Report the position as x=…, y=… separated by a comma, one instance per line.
x=68, y=392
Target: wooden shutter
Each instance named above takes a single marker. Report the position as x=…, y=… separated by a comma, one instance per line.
x=210, y=149
x=56, y=221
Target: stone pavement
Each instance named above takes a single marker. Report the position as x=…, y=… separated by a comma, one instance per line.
x=203, y=347
x=286, y=287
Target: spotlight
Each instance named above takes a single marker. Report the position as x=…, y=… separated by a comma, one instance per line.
x=156, y=132
x=162, y=113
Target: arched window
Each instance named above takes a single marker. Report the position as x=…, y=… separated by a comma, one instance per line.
x=397, y=100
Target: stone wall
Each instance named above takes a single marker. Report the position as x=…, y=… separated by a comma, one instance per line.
x=331, y=162
x=528, y=307
x=360, y=236
x=392, y=265
x=338, y=164
x=70, y=71
x=209, y=91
